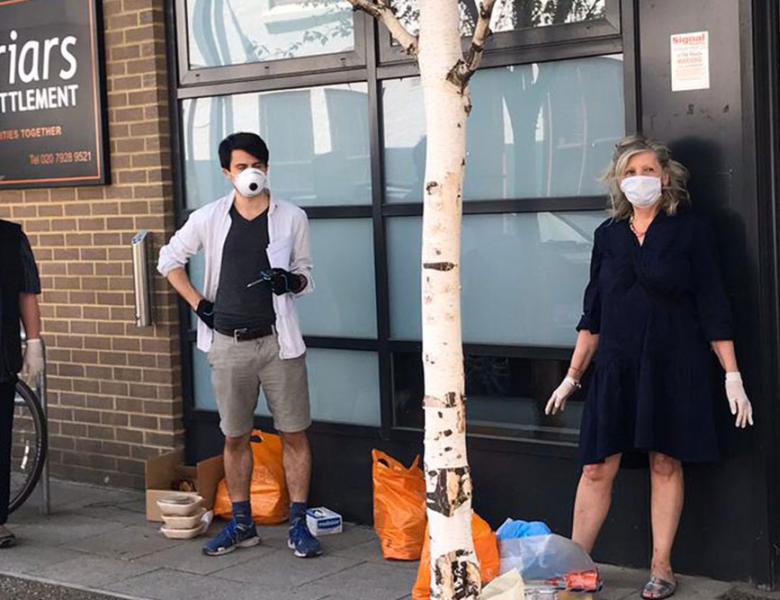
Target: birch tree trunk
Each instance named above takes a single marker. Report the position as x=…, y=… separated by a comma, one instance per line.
x=455, y=569
x=445, y=75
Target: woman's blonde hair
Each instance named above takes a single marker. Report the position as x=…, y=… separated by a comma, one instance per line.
x=672, y=195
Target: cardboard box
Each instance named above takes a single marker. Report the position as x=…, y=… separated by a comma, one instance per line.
x=322, y=521
x=164, y=470
x=210, y=472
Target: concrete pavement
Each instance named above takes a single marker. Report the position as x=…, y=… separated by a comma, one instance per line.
x=98, y=540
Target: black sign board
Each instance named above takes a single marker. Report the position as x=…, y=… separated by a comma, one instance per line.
x=52, y=94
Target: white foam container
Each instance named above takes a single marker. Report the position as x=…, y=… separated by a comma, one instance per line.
x=180, y=505
x=183, y=534
x=179, y=522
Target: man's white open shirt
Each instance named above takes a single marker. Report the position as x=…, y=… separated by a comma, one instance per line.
x=288, y=248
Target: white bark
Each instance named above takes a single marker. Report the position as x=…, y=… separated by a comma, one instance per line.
x=381, y=10
x=455, y=569
x=462, y=71
x=445, y=75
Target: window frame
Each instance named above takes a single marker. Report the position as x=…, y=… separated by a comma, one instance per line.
x=546, y=38
x=188, y=76
x=373, y=69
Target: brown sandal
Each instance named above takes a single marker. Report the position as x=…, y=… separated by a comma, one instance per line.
x=658, y=589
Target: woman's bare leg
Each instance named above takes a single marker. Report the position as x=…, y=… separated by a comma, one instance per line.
x=594, y=496
x=666, y=478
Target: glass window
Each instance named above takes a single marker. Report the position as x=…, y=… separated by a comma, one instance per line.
x=506, y=396
x=513, y=14
x=536, y=130
x=235, y=32
x=317, y=137
x=344, y=301
x=523, y=276
x=202, y=389
x=343, y=386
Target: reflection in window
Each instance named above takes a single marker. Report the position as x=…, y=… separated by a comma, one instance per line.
x=536, y=130
x=523, y=276
x=505, y=396
x=344, y=386
x=235, y=32
x=512, y=14
x=343, y=303
x=317, y=137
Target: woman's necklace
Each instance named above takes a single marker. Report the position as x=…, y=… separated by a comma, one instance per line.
x=639, y=234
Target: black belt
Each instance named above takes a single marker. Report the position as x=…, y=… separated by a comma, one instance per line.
x=245, y=333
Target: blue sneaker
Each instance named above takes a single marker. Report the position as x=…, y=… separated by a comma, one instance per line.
x=233, y=536
x=301, y=541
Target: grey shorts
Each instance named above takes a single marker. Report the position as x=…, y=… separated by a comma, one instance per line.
x=238, y=369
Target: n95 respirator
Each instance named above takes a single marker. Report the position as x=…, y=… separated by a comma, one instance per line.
x=250, y=182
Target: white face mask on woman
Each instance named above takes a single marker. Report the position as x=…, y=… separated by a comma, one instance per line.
x=642, y=191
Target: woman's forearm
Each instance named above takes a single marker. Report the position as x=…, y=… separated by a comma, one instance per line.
x=584, y=350
x=724, y=349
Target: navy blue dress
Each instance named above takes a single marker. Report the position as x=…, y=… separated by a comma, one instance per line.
x=655, y=307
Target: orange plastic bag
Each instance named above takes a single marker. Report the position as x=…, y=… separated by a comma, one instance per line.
x=399, y=507
x=486, y=546
x=268, y=489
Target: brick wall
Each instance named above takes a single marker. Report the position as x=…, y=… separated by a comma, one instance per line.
x=114, y=389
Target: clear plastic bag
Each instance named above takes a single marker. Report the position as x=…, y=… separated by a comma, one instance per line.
x=543, y=557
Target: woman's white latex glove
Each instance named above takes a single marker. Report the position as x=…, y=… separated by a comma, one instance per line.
x=557, y=402
x=33, y=359
x=738, y=401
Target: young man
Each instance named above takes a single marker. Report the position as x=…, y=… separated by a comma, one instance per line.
x=19, y=284
x=257, y=259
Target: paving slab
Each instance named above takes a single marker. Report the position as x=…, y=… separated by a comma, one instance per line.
x=282, y=571
x=95, y=572
x=98, y=540
x=745, y=592
x=352, y=535
x=372, y=551
x=61, y=528
x=365, y=581
x=111, y=513
x=189, y=557
x=27, y=558
x=128, y=543
x=169, y=584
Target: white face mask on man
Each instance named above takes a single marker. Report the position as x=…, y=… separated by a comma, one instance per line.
x=250, y=182
x=642, y=191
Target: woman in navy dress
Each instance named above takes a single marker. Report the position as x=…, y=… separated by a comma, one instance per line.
x=654, y=311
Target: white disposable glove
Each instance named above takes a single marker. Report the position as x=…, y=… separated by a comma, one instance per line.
x=557, y=401
x=738, y=401
x=33, y=359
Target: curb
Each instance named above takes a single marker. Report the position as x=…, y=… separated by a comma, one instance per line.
x=72, y=586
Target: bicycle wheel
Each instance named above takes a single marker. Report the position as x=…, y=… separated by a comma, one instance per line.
x=28, y=445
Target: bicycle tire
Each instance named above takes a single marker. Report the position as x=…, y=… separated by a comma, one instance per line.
x=33, y=405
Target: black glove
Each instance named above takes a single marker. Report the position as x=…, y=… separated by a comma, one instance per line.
x=205, y=312
x=283, y=281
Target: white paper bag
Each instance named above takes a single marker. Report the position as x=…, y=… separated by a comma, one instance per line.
x=509, y=586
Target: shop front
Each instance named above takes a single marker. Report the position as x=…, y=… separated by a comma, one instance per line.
x=340, y=106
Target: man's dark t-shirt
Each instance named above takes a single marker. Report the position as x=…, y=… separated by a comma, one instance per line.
x=243, y=257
